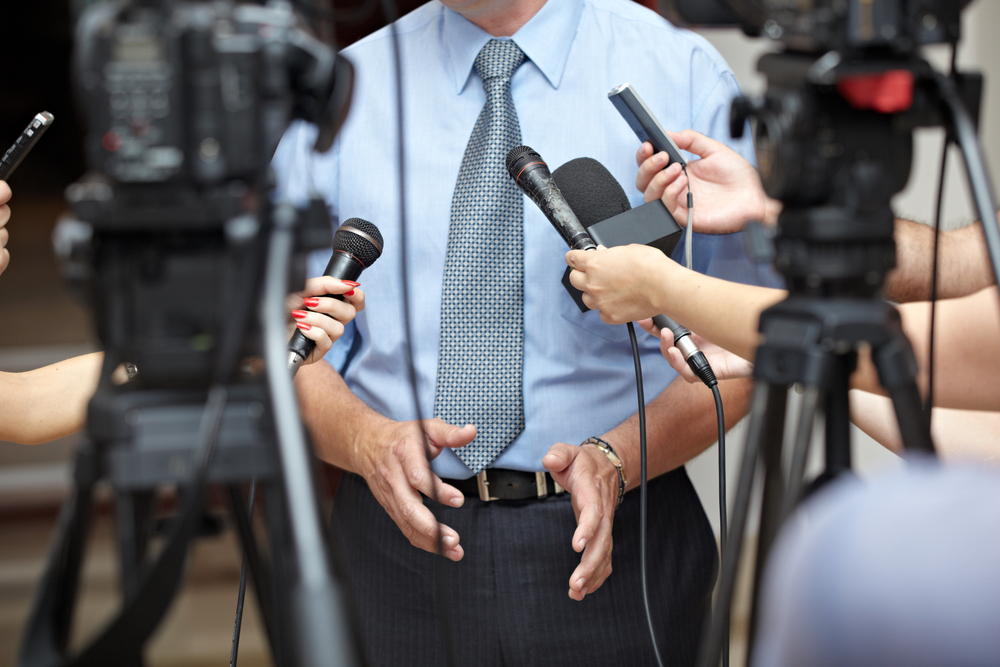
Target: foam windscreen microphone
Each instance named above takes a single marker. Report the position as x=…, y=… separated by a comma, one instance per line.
x=595, y=195
x=531, y=174
x=356, y=245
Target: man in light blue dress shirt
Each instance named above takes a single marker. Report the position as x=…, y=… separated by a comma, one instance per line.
x=506, y=585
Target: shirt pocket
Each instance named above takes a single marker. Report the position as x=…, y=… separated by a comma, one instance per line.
x=590, y=321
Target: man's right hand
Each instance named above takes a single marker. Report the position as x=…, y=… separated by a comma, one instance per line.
x=395, y=461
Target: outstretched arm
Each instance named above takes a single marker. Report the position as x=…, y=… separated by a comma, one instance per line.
x=50, y=402
x=964, y=264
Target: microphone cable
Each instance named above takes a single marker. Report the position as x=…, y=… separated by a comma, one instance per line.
x=391, y=13
x=643, y=502
x=929, y=405
x=707, y=375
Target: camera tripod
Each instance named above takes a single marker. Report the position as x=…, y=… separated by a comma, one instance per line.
x=217, y=428
x=835, y=166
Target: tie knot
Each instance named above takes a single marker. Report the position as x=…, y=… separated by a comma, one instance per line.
x=499, y=58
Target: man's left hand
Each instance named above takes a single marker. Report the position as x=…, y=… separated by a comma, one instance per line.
x=592, y=481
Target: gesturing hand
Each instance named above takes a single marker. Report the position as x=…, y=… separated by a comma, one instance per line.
x=727, y=189
x=592, y=481
x=396, y=465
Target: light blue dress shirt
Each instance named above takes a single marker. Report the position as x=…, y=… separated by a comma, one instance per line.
x=578, y=372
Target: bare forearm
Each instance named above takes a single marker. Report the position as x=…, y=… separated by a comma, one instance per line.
x=964, y=264
x=958, y=434
x=50, y=402
x=680, y=423
x=335, y=417
x=725, y=313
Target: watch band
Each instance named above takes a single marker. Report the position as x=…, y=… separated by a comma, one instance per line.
x=615, y=461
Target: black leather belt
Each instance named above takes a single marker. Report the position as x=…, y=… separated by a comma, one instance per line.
x=501, y=484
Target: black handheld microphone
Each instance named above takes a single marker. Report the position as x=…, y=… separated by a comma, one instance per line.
x=531, y=174
x=356, y=245
x=591, y=189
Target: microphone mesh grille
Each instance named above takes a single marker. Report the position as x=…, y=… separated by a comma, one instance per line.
x=515, y=153
x=590, y=190
x=347, y=239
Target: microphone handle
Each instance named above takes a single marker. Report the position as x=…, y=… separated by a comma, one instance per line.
x=342, y=266
x=537, y=183
x=694, y=357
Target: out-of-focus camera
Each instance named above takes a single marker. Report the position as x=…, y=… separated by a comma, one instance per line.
x=197, y=93
x=832, y=25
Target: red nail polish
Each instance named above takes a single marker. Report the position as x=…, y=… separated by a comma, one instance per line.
x=298, y=314
x=311, y=302
x=303, y=326
x=351, y=283
x=351, y=293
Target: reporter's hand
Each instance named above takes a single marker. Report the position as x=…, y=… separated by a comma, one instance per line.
x=320, y=318
x=727, y=189
x=623, y=283
x=725, y=364
x=592, y=482
x=396, y=465
x=4, y=217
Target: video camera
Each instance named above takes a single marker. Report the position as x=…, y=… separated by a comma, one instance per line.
x=831, y=25
x=187, y=262
x=184, y=105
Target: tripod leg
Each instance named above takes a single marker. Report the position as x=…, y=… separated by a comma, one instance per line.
x=897, y=371
x=46, y=633
x=766, y=398
x=262, y=580
x=838, y=417
x=800, y=453
x=774, y=490
x=132, y=514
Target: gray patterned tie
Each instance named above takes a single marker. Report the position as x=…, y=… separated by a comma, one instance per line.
x=482, y=300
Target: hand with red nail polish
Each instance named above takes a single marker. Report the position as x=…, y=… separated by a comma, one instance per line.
x=320, y=315
x=4, y=216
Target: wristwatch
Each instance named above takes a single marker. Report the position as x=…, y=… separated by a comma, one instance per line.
x=615, y=461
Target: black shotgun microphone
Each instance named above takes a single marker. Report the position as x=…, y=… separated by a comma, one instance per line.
x=356, y=245
x=531, y=174
x=593, y=191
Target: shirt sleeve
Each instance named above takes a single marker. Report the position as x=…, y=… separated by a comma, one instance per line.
x=299, y=174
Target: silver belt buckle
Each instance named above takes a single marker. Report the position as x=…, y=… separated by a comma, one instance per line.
x=540, y=485
x=484, y=487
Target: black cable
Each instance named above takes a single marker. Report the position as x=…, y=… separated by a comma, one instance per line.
x=643, y=504
x=391, y=13
x=723, y=529
x=928, y=407
x=243, y=585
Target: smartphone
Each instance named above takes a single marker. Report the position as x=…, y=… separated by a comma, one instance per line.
x=25, y=142
x=643, y=122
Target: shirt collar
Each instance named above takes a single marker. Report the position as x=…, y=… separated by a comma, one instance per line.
x=545, y=39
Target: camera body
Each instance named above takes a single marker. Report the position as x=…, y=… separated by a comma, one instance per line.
x=195, y=93
x=185, y=103
x=851, y=25
x=819, y=26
